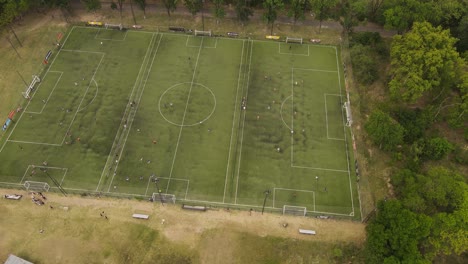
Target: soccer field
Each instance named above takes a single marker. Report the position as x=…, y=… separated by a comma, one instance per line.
x=227, y=122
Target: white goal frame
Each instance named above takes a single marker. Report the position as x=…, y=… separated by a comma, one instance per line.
x=349, y=117
x=166, y=198
x=36, y=186
x=30, y=88
x=119, y=26
x=294, y=40
x=294, y=210
x=202, y=33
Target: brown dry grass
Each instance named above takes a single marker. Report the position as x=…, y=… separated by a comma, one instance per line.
x=75, y=235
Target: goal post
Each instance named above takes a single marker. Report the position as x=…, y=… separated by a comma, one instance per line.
x=294, y=210
x=164, y=198
x=202, y=33
x=30, y=88
x=115, y=26
x=36, y=186
x=293, y=40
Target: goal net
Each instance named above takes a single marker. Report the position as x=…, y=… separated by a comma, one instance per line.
x=294, y=210
x=203, y=33
x=293, y=40
x=349, y=117
x=30, y=88
x=164, y=198
x=116, y=26
x=36, y=186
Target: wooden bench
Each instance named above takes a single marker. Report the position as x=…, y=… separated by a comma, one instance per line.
x=194, y=207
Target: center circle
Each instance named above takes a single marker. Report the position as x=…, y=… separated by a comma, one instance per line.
x=187, y=104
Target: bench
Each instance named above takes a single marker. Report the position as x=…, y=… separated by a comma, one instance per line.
x=177, y=29
x=194, y=207
x=140, y=216
x=233, y=34
x=306, y=232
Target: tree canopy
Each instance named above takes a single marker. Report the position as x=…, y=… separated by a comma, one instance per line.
x=423, y=60
x=384, y=130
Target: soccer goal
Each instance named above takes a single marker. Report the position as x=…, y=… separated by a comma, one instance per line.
x=349, y=117
x=113, y=26
x=164, y=198
x=36, y=186
x=293, y=40
x=30, y=88
x=294, y=210
x=203, y=33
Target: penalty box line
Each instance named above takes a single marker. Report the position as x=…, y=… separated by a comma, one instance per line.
x=205, y=47
x=50, y=94
x=45, y=167
x=99, y=31
x=166, y=178
x=326, y=114
x=291, y=53
x=293, y=190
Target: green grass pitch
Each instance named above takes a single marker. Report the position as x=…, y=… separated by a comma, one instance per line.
x=215, y=120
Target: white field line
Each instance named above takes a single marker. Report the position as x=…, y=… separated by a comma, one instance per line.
x=326, y=116
x=233, y=120
x=314, y=168
x=83, y=51
x=281, y=112
x=183, y=117
x=84, y=95
x=9, y=183
x=96, y=36
x=132, y=117
x=294, y=190
x=243, y=123
x=344, y=132
x=26, y=107
x=206, y=47
x=92, y=100
x=292, y=117
x=35, y=143
x=48, y=98
x=63, y=178
x=31, y=112
x=291, y=53
x=24, y=175
x=311, y=69
x=109, y=157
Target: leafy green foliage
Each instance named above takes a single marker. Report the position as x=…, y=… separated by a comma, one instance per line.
x=170, y=5
x=414, y=121
x=243, y=11
x=384, y=130
x=92, y=5
x=297, y=9
x=271, y=11
x=323, y=9
x=141, y=4
x=423, y=60
x=194, y=6
x=218, y=10
x=437, y=148
x=364, y=65
x=396, y=234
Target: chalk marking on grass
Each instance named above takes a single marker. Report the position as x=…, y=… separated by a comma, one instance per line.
x=346, y=140
x=109, y=156
x=243, y=122
x=92, y=100
x=205, y=47
x=34, y=143
x=99, y=32
x=281, y=112
x=311, y=69
x=292, y=116
x=294, y=190
x=48, y=98
x=315, y=168
x=234, y=119
x=185, y=112
x=131, y=117
x=291, y=53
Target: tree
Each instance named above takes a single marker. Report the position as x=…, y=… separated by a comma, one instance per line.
x=218, y=10
x=384, y=130
x=243, y=11
x=142, y=5
x=364, y=65
x=297, y=10
x=170, y=5
x=423, y=60
x=271, y=11
x=194, y=6
x=396, y=234
x=401, y=14
x=120, y=4
x=323, y=9
x=92, y=5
